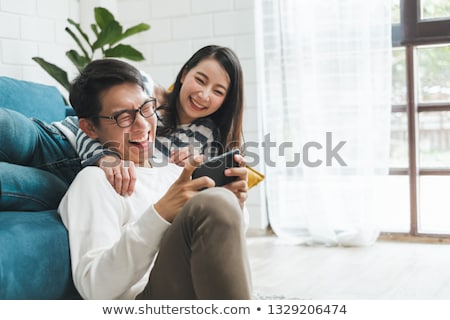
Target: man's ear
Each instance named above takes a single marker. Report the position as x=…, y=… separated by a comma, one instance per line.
x=88, y=127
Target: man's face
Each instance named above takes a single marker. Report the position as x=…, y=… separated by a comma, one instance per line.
x=136, y=142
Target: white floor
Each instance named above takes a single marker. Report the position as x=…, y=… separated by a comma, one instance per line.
x=386, y=270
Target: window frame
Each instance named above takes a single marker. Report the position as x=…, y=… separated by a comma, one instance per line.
x=413, y=31
x=410, y=33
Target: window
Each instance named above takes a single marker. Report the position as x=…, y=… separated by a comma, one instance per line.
x=420, y=122
x=434, y=9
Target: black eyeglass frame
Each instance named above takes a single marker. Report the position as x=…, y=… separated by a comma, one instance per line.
x=131, y=112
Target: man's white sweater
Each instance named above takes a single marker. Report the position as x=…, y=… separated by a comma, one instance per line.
x=114, y=239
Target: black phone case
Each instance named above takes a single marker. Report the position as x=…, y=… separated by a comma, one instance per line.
x=215, y=167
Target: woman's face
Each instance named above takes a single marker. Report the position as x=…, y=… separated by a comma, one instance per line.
x=203, y=90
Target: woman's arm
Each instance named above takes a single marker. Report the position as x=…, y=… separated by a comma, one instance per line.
x=119, y=173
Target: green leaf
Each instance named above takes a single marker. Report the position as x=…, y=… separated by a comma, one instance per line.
x=56, y=72
x=78, y=60
x=103, y=17
x=133, y=30
x=75, y=38
x=108, y=35
x=108, y=32
x=83, y=34
x=124, y=51
x=94, y=28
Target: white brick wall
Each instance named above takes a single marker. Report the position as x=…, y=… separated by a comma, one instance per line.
x=9, y=26
x=28, y=29
x=23, y=7
x=178, y=29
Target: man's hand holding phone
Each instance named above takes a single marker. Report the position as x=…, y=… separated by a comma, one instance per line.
x=183, y=189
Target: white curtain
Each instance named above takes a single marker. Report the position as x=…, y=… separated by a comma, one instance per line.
x=325, y=81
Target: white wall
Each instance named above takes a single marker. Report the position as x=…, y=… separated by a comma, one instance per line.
x=31, y=28
x=178, y=29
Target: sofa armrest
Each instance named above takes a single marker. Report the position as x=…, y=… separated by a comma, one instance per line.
x=32, y=99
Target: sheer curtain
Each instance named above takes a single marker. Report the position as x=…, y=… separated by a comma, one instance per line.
x=325, y=81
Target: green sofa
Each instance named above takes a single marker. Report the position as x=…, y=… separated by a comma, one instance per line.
x=34, y=248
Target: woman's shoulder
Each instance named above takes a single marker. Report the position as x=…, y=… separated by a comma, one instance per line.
x=149, y=84
x=205, y=122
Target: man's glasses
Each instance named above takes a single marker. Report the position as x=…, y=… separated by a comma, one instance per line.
x=126, y=118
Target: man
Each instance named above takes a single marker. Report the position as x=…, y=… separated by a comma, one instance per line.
x=167, y=240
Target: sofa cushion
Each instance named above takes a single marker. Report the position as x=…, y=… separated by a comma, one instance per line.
x=34, y=257
x=32, y=99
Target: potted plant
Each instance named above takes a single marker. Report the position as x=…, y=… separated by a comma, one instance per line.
x=108, y=32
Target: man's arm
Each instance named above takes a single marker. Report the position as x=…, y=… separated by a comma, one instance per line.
x=111, y=248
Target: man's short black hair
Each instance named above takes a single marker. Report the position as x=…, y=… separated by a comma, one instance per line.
x=96, y=77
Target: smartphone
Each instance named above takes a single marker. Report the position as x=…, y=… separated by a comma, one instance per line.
x=215, y=167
